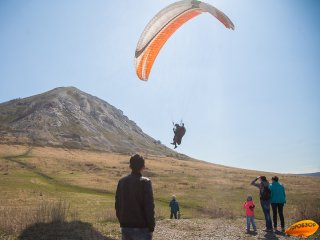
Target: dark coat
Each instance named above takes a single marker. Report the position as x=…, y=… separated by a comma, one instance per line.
x=179, y=132
x=174, y=205
x=134, y=202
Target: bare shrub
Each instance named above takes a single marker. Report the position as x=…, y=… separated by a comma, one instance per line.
x=51, y=212
x=308, y=210
x=14, y=219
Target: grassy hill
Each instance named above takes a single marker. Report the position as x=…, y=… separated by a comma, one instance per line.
x=83, y=183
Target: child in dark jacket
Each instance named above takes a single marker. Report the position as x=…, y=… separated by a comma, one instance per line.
x=249, y=206
x=174, y=207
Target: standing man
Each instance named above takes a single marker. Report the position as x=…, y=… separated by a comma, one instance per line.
x=265, y=197
x=278, y=199
x=134, y=203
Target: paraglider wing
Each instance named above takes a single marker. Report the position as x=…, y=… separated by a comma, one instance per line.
x=163, y=25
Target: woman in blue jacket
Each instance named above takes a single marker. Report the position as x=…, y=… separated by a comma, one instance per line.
x=278, y=199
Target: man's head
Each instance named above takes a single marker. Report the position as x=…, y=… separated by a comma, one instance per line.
x=263, y=178
x=136, y=163
x=275, y=178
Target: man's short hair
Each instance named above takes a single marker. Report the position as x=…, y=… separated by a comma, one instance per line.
x=275, y=178
x=136, y=163
x=263, y=178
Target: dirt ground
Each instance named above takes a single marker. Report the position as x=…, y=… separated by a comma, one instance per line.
x=205, y=229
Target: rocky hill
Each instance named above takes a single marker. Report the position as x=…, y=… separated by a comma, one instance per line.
x=68, y=117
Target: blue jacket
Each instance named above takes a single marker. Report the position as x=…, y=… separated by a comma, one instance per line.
x=278, y=194
x=174, y=205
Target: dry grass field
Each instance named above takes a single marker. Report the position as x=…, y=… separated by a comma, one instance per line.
x=80, y=186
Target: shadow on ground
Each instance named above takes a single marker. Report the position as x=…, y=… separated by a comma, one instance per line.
x=273, y=235
x=75, y=230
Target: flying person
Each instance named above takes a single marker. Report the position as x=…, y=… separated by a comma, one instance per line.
x=179, y=131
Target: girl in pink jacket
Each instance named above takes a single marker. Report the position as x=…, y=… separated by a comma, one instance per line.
x=249, y=206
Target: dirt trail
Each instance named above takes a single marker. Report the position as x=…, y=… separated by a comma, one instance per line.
x=207, y=229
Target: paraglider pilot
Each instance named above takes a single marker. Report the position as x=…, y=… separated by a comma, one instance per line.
x=179, y=131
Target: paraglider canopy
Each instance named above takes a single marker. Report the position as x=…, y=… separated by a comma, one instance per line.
x=163, y=25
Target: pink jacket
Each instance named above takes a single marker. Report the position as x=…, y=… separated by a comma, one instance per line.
x=249, y=206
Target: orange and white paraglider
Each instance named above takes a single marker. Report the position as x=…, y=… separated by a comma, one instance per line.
x=163, y=25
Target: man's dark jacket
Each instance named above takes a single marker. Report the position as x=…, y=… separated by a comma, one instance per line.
x=134, y=202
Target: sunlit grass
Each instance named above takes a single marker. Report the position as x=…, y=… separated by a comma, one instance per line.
x=87, y=180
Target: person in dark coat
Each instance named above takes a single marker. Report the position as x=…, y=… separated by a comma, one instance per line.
x=265, y=199
x=174, y=207
x=134, y=203
x=179, y=131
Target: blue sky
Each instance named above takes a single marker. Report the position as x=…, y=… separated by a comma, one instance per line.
x=249, y=98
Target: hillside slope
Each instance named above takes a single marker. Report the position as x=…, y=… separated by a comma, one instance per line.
x=68, y=117
x=210, y=195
